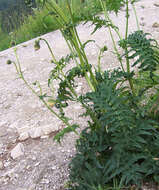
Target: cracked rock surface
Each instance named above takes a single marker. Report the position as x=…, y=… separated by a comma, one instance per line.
x=29, y=158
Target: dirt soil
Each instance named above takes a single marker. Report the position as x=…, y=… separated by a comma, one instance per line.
x=43, y=164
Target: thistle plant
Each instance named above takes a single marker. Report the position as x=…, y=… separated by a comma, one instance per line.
x=119, y=147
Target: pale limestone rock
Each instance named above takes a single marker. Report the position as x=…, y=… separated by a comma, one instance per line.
x=14, y=125
x=6, y=164
x=23, y=136
x=47, y=129
x=2, y=123
x=23, y=129
x=32, y=187
x=4, y=179
x=17, y=151
x=53, y=167
x=1, y=145
x=44, y=137
x=37, y=164
x=45, y=181
x=1, y=165
x=36, y=132
x=28, y=167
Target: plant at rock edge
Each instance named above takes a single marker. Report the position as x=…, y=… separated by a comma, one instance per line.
x=119, y=147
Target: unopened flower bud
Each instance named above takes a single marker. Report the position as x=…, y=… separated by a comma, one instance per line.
x=9, y=62
x=37, y=45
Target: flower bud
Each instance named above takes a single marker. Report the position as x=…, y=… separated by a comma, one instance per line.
x=9, y=62
x=37, y=45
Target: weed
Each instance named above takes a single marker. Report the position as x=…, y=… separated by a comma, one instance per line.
x=118, y=149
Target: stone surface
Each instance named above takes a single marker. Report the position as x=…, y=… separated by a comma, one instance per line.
x=22, y=130
x=23, y=136
x=47, y=129
x=45, y=181
x=17, y=151
x=36, y=132
x=1, y=165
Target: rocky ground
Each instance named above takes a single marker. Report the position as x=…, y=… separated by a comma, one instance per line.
x=29, y=158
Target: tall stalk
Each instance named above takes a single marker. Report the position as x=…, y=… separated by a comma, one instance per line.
x=137, y=21
x=74, y=40
x=126, y=49
x=79, y=45
x=104, y=7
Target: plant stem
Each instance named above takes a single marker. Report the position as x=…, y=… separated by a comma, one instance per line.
x=111, y=35
x=53, y=57
x=126, y=49
x=73, y=39
x=19, y=71
x=104, y=7
x=56, y=62
x=78, y=46
x=99, y=62
x=136, y=17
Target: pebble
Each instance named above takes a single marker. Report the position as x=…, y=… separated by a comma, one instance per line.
x=44, y=137
x=23, y=136
x=17, y=151
x=24, y=129
x=36, y=132
x=14, y=125
x=34, y=158
x=2, y=123
x=32, y=187
x=4, y=179
x=53, y=168
x=155, y=25
x=1, y=165
x=28, y=167
x=37, y=164
x=156, y=4
x=6, y=164
x=47, y=129
x=1, y=145
x=45, y=181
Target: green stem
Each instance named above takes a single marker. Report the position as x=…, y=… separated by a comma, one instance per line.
x=81, y=55
x=126, y=49
x=63, y=20
x=104, y=7
x=136, y=17
x=19, y=71
x=56, y=62
x=53, y=57
x=58, y=11
x=111, y=35
x=99, y=61
x=86, y=75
